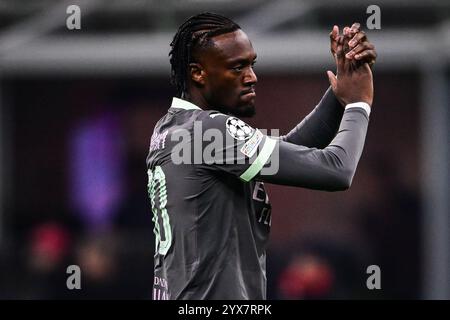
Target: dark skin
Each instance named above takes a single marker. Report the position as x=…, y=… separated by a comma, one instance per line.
x=354, y=55
x=223, y=77
x=351, y=84
x=357, y=46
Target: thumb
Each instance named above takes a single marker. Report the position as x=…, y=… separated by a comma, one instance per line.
x=333, y=80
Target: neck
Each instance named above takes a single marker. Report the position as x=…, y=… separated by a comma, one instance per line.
x=196, y=98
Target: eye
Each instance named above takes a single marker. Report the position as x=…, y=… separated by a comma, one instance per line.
x=253, y=63
x=237, y=69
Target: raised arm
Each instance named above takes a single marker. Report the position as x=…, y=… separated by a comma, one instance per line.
x=333, y=167
x=320, y=126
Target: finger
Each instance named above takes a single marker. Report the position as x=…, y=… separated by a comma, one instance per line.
x=358, y=38
x=346, y=31
x=339, y=56
x=346, y=47
x=359, y=48
x=351, y=53
x=367, y=56
x=351, y=32
x=332, y=79
x=355, y=28
x=334, y=34
x=347, y=37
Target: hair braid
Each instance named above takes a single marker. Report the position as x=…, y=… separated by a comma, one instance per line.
x=194, y=33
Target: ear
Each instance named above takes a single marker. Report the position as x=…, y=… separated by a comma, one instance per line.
x=197, y=73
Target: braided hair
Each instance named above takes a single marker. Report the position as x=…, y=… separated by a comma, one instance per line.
x=192, y=35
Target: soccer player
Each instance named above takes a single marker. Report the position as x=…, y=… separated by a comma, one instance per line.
x=206, y=166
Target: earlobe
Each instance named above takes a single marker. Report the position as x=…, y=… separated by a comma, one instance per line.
x=197, y=73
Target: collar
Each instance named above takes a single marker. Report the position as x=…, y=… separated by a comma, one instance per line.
x=183, y=104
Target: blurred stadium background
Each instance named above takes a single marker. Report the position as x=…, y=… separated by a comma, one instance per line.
x=77, y=109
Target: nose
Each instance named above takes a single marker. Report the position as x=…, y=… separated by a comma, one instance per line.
x=250, y=77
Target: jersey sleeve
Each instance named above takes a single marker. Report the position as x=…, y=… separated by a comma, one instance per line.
x=231, y=145
x=331, y=168
x=320, y=126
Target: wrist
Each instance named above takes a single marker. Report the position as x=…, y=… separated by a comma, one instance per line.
x=338, y=98
x=361, y=105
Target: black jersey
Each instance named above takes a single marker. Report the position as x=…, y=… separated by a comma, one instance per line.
x=211, y=213
x=211, y=221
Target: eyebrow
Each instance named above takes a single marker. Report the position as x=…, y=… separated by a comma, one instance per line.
x=241, y=60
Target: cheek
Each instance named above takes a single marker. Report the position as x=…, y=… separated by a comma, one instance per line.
x=228, y=86
x=224, y=87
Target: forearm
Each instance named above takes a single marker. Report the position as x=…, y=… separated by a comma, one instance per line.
x=319, y=127
x=331, y=168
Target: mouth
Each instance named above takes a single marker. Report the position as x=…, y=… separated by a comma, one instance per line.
x=248, y=93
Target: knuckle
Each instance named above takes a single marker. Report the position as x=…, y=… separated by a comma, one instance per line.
x=356, y=26
x=357, y=48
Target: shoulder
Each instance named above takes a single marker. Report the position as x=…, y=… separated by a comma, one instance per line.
x=235, y=127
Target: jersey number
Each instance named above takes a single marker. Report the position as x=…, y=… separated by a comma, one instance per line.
x=158, y=196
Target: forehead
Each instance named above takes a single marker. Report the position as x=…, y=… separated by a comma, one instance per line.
x=233, y=45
